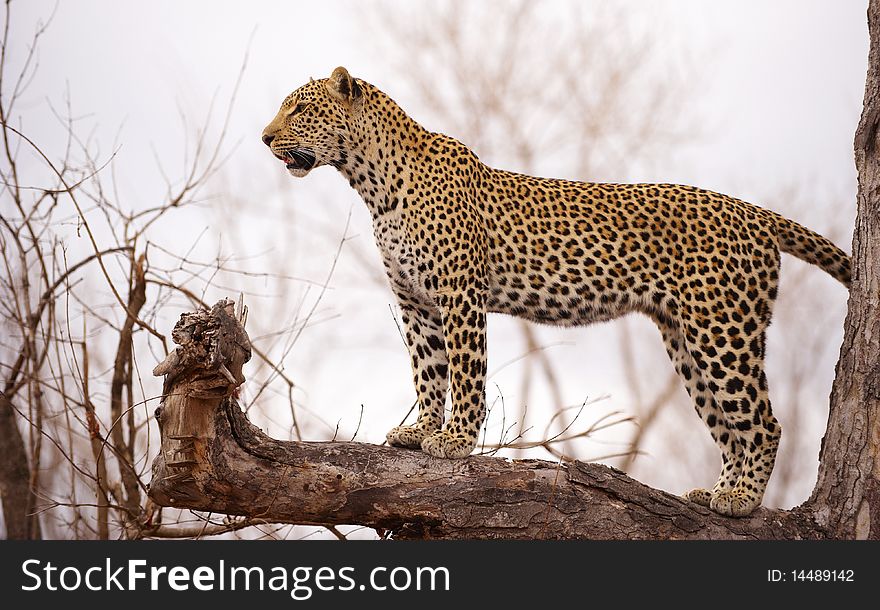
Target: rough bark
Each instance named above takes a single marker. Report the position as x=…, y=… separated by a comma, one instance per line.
x=847, y=495
x=213, y=459
x=15, y=478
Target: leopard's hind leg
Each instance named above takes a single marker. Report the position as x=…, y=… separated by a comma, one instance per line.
x=739, y=385
x=708, y=411
x=729, y=354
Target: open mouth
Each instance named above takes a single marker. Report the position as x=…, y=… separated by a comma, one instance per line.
x=301, y=159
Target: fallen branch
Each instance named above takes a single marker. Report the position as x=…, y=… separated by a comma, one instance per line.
x=213, y=459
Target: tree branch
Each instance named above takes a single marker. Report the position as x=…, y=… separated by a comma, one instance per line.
x=213, y=459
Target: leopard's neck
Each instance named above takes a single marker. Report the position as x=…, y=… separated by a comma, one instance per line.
x=384, y=144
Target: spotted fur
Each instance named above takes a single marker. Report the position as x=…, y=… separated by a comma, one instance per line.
x=460, y=239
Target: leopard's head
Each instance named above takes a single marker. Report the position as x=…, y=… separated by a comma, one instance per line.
x=314, y=125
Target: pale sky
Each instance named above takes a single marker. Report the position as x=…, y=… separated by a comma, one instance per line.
x=781, y=82
x=777, y=87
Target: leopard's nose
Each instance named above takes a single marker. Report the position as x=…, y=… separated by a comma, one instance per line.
x=267, y=139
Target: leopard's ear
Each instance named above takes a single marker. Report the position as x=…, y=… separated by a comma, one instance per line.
x=343, y=87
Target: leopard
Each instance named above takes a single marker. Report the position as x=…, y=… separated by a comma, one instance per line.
x=460, y=239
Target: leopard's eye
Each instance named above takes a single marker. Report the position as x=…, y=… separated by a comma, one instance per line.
x=297, y=109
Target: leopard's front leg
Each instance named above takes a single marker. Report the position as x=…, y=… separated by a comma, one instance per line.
x=464, y=330
x=430, y=368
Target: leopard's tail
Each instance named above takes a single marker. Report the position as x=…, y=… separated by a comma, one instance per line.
x=811, y=247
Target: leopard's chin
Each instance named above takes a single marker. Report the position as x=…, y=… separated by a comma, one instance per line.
x=298, y=172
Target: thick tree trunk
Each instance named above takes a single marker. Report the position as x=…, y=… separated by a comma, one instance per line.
x=213, y=459
x=847, y=495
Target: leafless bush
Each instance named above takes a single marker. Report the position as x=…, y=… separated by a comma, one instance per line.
x=87, y=287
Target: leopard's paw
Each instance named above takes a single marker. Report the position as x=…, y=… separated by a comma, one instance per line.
x=443, y=444
x=406, y=436
x=699, y=496
x=733, y=503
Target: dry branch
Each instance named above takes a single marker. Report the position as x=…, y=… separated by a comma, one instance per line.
x=213, y=459
x=122, y=376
